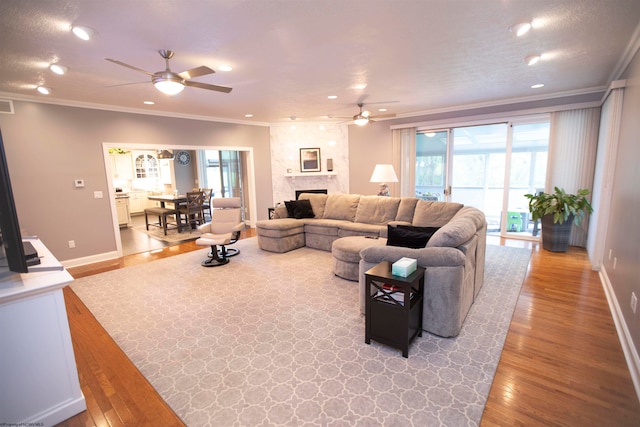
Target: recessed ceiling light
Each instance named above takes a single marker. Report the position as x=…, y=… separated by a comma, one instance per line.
x=149, y=102
x=43, y=90
x=360, y=86
x=58, y=69
x=332, y=97
x=248, y=115
x=521, y=28
x=225, y=68
x=532, y=59
x=382, y=110
x=84, y=33
x=537, y=86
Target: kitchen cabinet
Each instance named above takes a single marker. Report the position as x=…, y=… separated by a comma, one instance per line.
x=122, y=207
x=122, y=166
x=137, y=201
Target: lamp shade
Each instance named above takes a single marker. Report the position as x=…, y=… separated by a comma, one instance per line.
x=383, y=173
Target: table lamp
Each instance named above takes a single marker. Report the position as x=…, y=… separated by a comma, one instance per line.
x=383, y=174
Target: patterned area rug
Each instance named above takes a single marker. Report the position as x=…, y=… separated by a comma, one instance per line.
x=278, y=340
x=172, y=234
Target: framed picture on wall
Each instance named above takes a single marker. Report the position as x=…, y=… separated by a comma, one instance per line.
x=309, y=160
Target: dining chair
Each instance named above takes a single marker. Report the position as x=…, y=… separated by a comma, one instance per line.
x=191, y=211
x=206, y=203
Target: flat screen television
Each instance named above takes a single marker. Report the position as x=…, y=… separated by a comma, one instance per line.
x=12, y=255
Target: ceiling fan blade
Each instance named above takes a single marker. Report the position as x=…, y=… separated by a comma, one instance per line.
x=115, y=61
x=207, y=86
x=196, y=72
x=382, y=116
x=129, y=84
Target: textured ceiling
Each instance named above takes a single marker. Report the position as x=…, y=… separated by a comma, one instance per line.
x=287, y=56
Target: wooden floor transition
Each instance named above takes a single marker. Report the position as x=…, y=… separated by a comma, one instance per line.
x=562, y=362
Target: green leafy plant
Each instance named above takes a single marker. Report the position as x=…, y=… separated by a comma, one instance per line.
x=560, y=204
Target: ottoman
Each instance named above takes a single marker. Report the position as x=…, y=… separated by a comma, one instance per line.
x=346, y=254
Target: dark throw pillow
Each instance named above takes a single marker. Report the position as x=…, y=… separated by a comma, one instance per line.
x=299, y=209
x=409, y=236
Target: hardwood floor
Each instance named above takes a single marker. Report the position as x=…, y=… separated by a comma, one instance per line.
x=562, y=363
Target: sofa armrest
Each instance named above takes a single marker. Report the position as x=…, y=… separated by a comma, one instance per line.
x=426, y=257
x=280, y=212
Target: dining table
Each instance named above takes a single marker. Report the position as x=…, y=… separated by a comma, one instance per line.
x=175, y=199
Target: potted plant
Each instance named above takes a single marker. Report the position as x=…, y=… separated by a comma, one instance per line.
x=557, y=212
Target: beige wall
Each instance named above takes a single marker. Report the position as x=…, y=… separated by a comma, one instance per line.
x=49, y=146
x=623, y=232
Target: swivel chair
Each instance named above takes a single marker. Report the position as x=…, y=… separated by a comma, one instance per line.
x=224, y=229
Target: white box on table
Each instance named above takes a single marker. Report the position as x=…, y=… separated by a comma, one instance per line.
x=404, y=267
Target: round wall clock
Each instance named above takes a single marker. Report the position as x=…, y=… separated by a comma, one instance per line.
x=183, y=158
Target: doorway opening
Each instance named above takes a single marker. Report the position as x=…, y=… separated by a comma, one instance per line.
x=137, y=172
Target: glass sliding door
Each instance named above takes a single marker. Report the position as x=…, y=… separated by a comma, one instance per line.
x=431, y=164
x=528, y=170
x=478, y=169
x=222, y=171
x=489, y=166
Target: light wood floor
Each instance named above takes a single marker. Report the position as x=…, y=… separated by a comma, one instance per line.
x=562, y=363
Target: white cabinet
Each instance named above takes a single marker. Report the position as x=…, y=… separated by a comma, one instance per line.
x=122, y=207
x=122, y=166
x=38, y=369
x=137, y=201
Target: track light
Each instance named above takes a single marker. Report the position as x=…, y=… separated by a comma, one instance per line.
x=43, y=90
x=532, y=59
x=58, y=69
x=84, y=33
x=521, y=28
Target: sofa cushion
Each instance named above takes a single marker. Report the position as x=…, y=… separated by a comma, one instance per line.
x=409, y=236
x=341, y=206
x=434, y=214
x=318, y=201
x=299, y=209
x=377, y=209
x=406, y=209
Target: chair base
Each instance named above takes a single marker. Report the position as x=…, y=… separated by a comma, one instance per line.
x=219, y=257
x=230, y=252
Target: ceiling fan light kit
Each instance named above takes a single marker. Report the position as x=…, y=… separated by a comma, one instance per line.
x=168, y=83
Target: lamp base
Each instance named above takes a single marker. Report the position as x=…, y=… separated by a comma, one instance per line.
x=384, y=190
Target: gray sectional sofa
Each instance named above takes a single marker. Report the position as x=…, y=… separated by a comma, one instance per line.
x=454, y=256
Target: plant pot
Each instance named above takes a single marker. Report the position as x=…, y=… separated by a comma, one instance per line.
x=555, y=236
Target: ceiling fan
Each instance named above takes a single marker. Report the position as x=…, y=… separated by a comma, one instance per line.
x=172, y=83
x=364, y=117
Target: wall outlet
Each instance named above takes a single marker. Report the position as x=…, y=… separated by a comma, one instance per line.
x=72, y=244
x=634, y=302
x=97, y=194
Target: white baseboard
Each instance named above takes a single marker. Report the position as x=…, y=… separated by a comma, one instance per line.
x=89, y=259
x=629, y=349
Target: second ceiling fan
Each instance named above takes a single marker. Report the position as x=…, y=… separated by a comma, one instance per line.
x=172, y=83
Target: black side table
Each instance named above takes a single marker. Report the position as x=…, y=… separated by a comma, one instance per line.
x=393, y=306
